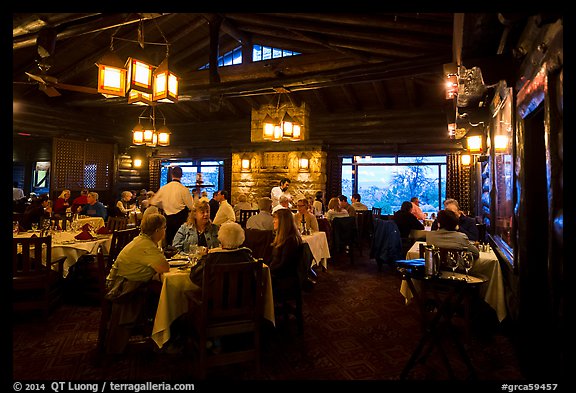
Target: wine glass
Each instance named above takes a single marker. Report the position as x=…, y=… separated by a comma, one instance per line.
x=15, y=227
x=452, y=260
x=467, y=261
x=34, y=226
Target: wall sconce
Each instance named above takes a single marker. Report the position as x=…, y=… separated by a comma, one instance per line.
x=451, y=80
x=137, y=163
x=501, y=143
x=474, y=143
x=465, y=159
x=475, y=138
x=303, y=163
x=452, y=130
x=245, y=164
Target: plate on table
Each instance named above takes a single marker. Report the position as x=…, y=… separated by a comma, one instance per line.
x=177, y=262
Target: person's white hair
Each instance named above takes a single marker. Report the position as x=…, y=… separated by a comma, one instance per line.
x=231, y=235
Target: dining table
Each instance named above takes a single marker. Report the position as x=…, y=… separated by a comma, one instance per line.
x=173, y=301
x=95, y=222
x=318, y=243
x=65, y=244
x=486, y=267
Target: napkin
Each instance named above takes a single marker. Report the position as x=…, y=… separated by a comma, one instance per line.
x=86, y=227
x=34, y=235
x=84, y=235
x=103, y=231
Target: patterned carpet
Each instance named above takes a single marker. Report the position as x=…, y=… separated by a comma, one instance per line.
x=357, y=327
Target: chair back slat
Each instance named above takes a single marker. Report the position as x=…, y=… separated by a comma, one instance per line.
x=119, y=240
x=117, y=223
x=31, y=256
x=245, y=214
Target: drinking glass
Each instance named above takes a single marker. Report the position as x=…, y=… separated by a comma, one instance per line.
x=452, y=260
x=34, y=226
x=467, y=261
x=15, y=227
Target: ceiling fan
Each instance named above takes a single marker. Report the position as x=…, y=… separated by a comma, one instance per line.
x=50, y=85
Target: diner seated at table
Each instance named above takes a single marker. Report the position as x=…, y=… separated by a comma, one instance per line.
x=356, y=204
x=124, y=206
x=405, y=220
x=94, y=208
x=334, y=209
x=263, y=220
x=225, y=211
x=343, y=200
x=242, y=204
x=303, y=211
x=61, y=204
x=80, y=200
x=38, y=209
x=466, y=225
x=283, y=203
x=447, y=236
x=197, y=230
x=130, y=287
x=285, y=247
x=318, y=204
x=231, y=236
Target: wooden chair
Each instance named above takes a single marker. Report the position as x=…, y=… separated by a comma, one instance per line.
x=365, y=227
x=344, y=236
x=245, y=215
x=103, y=267
x=84, y=282
x=116, y=223
x=288, y=290
x=231, y=304
x=120, y=238
x=36, y=284
x=260, y=242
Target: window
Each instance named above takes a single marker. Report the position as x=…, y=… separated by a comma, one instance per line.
x=211, y=172
x=41, y=178
x=502, y=137
x=386, y=182
x=259, y=53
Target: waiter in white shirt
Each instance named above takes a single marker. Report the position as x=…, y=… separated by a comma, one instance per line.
x=278, y=191
x=176, y=201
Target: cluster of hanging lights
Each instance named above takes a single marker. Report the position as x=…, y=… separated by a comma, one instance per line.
x=285, y=129
x=144, y=84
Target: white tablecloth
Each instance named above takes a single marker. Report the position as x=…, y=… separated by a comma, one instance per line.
x=486, y=267
x=319, y=246
x=64, y=244
x=95, y=222
x=173, y=301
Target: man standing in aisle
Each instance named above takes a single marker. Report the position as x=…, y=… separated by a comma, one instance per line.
x=278, y=191
x=176, y=201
